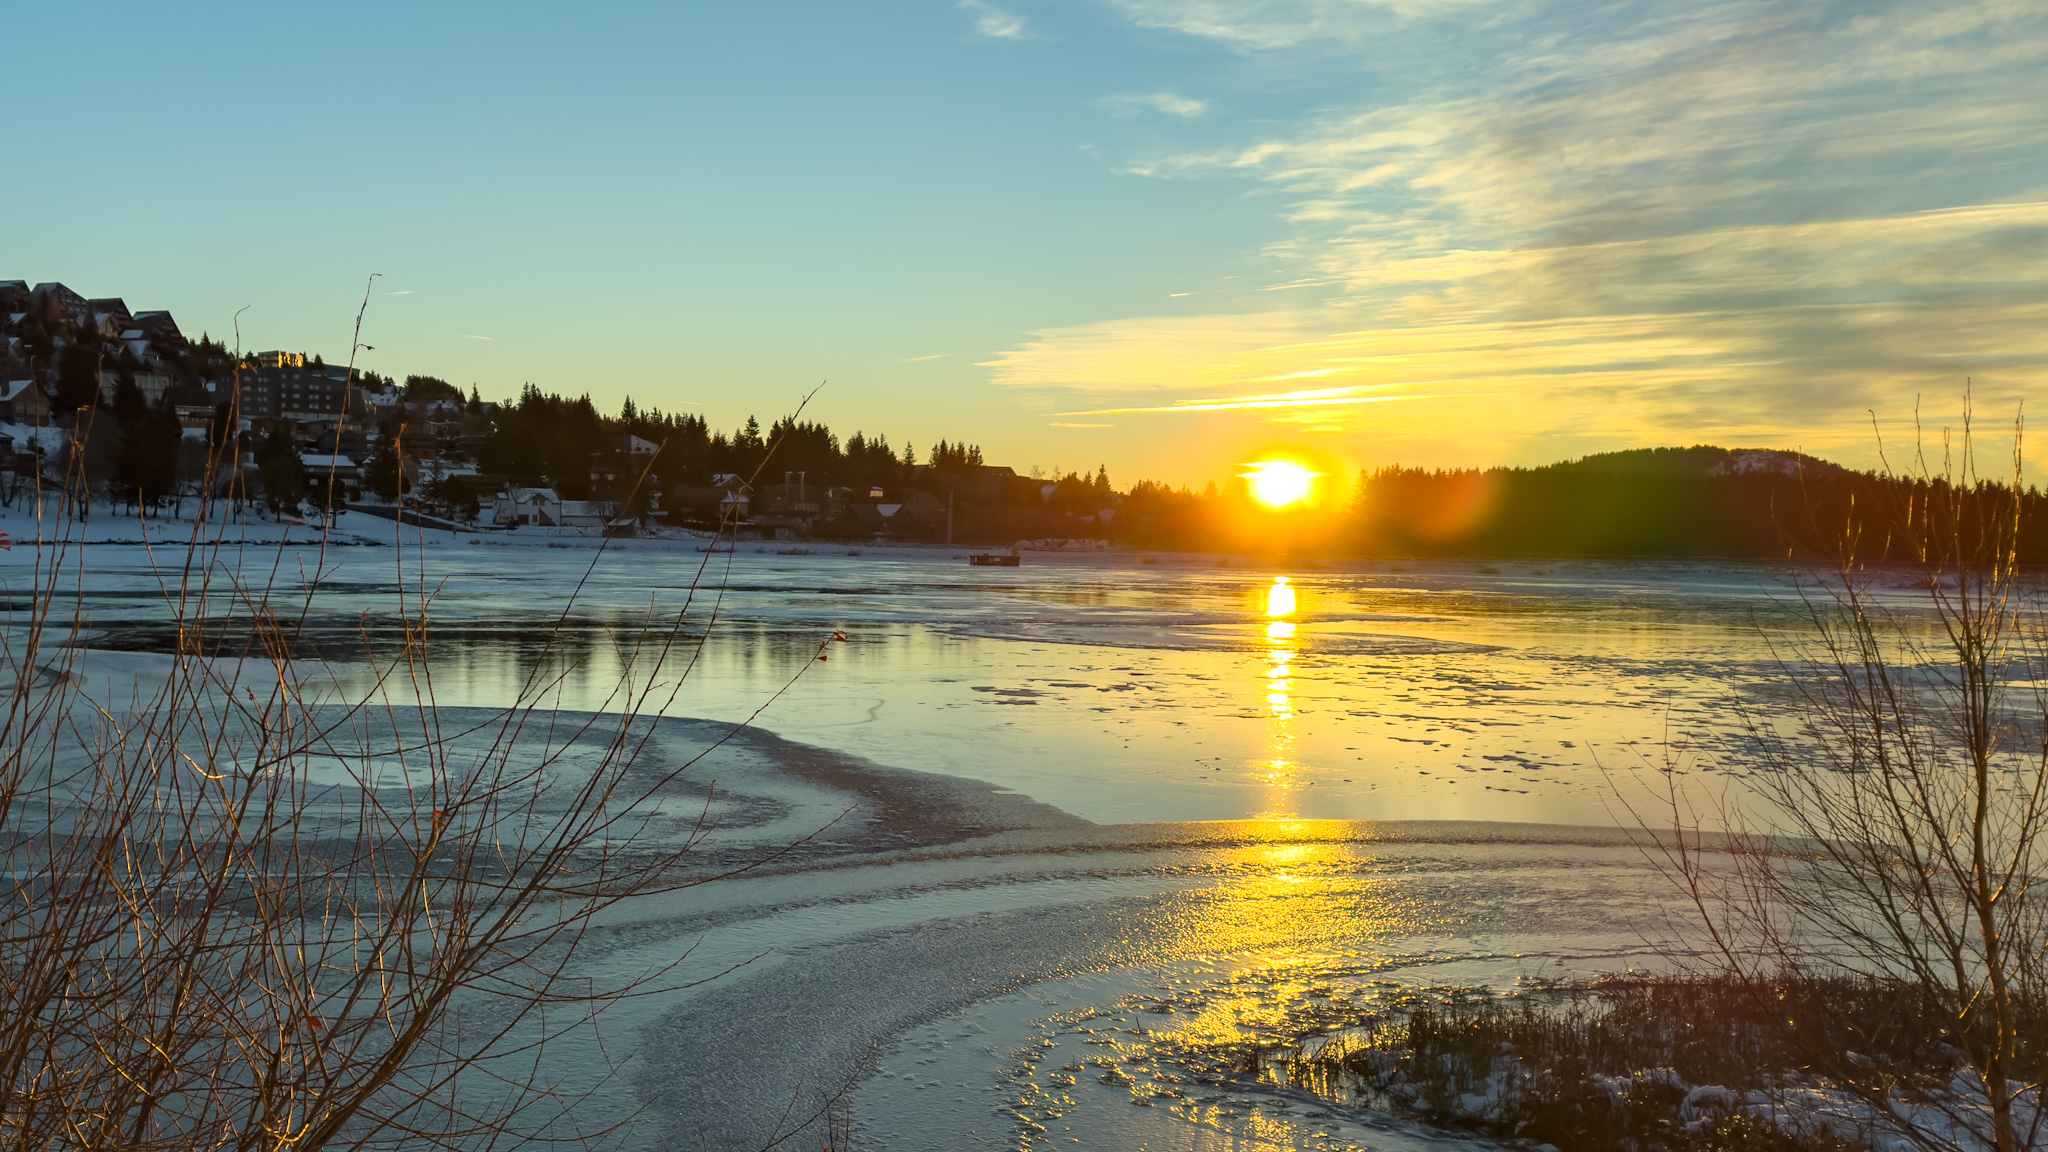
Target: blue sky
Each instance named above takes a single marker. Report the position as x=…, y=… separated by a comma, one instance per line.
x=1169, y=237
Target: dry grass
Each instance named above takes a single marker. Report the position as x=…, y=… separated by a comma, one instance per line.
x=246, y=906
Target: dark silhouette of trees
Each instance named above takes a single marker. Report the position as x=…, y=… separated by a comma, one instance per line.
x=430, y=389
x=145, y=448
x=281, y=473
x=78, y=374
x=543, y=438
x=381, y=472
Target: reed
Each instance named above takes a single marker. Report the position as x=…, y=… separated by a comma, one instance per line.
x=270, y=898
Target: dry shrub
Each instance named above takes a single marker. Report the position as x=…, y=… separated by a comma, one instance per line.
x=251, y=907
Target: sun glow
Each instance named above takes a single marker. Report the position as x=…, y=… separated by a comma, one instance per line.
x=1280, y=483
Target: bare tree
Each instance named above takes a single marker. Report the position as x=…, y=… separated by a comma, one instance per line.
x=1891, y=830
x=266, y=901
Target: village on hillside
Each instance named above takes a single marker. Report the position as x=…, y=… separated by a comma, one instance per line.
x=134, y=414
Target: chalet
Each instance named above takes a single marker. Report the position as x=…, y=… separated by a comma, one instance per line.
x=738, y=498
x=152, y=337
x=319, y=466
x=52, y=303
x=196, y=420
x=110, y=315
x=799, y=499
x=23, y=402
x=875, y=517
x=516, y=506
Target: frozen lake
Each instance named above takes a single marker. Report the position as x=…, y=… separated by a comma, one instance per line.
x=981, y=972
x=1118, y=690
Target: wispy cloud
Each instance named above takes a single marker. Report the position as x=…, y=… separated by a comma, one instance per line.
x=406, y=292
x=1320, y=398
x=1163, y=102
x=922, y=359
x=1275, y=24
x=467, y=336
x=1649, y=223
x=1065, y=424
x=994, y=22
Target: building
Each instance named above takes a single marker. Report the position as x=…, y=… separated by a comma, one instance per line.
x=516, y=506
x=152, y=337
x=320, y=465
x=737, y=499
x=51, y=303
x=110, y=315
x=586, y=513
x=23, y=402
x=283, y=386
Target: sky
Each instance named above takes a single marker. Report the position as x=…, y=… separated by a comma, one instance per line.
x=1166, y=236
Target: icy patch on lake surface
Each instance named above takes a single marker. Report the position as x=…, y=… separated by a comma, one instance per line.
x=1178, y=945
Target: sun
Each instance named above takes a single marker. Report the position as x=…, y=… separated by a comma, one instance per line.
x=1280, y=483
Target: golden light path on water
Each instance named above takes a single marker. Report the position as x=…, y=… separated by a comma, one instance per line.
x=1280, y=652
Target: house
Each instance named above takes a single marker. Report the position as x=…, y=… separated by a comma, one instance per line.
x=586, y=513
x=319, y=466
x=52, y=303
x=799, y=499
x=150, y=336
x=110, y=315
x=196, y=420
x=23, y=402
x=516, y=506
x=874, y=517
x=634, y=446
x=738, y=500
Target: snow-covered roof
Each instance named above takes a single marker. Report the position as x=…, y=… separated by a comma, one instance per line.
x=317, y=460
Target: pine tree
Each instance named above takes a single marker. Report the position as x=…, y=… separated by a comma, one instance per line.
x=282, y=473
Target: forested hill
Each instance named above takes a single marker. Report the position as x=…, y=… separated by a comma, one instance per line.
x=1682, y=502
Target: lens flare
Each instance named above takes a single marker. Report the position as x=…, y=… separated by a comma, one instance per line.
x=1280, y=483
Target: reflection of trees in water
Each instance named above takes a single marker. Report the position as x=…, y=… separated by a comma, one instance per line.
x=583, y=658
x=588, y=658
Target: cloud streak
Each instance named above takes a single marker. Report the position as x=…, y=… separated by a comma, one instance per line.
x=995, y=23
x=1165, y=103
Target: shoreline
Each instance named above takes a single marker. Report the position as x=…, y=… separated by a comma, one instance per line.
x=913, y=917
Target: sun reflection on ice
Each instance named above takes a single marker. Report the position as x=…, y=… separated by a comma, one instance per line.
x=1280, y=597
x=1279, y=769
